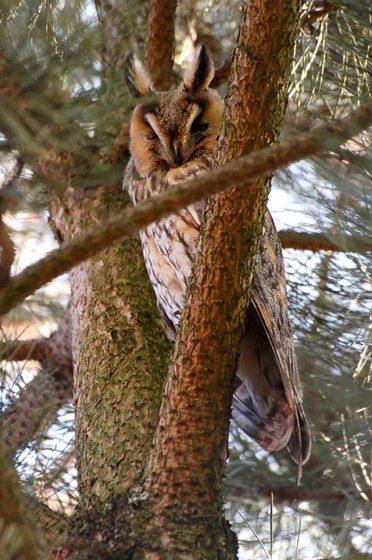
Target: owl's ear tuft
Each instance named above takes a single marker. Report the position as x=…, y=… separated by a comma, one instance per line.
x=200, y=71
x=137, y=79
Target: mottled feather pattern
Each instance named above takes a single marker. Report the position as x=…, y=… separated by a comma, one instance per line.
x=173, y=141
x=168, y=245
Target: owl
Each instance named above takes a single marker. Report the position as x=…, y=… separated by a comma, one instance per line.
x=173, y=137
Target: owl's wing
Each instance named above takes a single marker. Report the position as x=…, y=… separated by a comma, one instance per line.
x=267, y=402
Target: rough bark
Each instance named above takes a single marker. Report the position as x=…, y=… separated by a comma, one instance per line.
x=119, y=352
x=35, y=409
x=243, y=171
x=118, y=344
x=185, y=473
x=55, y=526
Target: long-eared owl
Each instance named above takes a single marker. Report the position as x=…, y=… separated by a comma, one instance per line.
x=172, y=139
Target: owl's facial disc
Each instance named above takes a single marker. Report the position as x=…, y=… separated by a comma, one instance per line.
x=175, y=145
x=174, y=131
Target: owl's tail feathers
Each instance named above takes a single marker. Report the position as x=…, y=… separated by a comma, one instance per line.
x=271, y=427
x=299, y=444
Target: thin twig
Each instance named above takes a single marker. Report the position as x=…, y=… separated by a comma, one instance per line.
x=255, y=534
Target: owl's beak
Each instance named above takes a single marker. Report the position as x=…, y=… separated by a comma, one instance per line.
x=177, y=153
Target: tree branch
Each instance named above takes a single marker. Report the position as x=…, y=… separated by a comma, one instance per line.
x=160, y=42
x=186, y=466
x=36, y=406
x=290, y=494
x=305, y=241
x=35, y=409
x=19, y=350
x=55, y=526
x=242, y=171
x=59, y=538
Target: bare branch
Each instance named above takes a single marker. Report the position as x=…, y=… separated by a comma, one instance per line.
x=55, y=526
x=19, y=350
x=304, y=241
x=60, y=542
x=242, y=171
x=295, y=494
x=160, y=42
x=34, y=409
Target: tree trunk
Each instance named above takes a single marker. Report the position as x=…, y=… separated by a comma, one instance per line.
x=186, y=469
x=120, y=350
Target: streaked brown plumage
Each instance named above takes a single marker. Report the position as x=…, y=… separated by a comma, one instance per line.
x=172, y=140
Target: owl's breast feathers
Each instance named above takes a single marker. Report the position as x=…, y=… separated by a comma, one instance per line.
x=168, y=245
x=267, y=399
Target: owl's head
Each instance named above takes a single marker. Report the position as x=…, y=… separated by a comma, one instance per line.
x=177, y=127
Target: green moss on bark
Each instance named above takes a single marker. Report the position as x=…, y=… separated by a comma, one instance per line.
x=120, y=353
